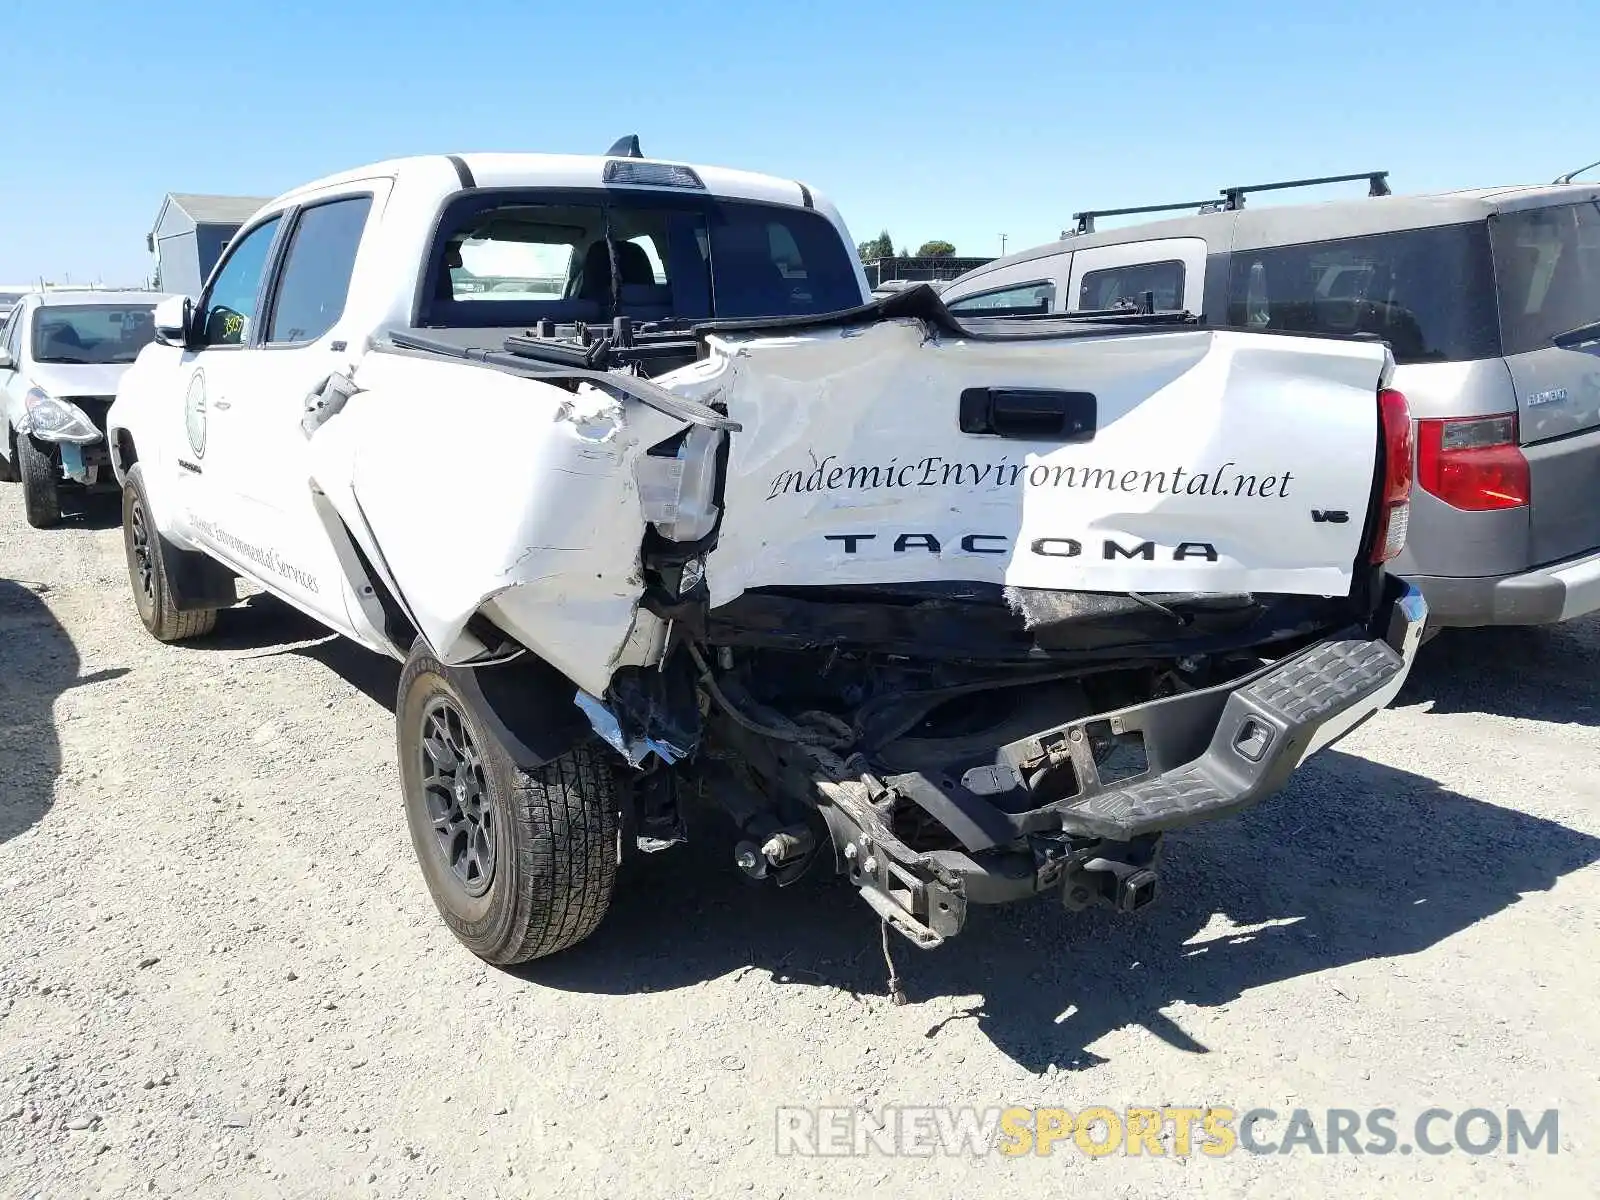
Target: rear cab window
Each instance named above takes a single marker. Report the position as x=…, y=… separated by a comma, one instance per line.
x=1430, y=293
x=1547, y=266
x=517, y=257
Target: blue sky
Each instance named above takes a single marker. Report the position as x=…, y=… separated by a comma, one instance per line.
x=933, y=118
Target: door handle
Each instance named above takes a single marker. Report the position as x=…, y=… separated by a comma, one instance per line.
x=1029, y=414
x=221, y=405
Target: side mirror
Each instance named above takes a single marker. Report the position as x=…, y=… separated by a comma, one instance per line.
x=173, y=318
x=5, y=360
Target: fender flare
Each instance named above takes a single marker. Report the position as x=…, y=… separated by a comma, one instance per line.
x=196, y=581
x=525, y=704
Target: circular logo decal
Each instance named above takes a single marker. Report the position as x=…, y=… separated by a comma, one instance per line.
x=194, y=409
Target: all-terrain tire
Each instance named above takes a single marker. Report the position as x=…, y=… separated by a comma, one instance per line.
x=147, y=572
x=41, y=494
x=554, y=829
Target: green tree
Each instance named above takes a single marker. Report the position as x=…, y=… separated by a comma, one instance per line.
x=936, y=249
x=881, y=246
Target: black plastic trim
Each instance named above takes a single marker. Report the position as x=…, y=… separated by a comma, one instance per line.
x=196, y=581
x=526, y=705
x=463, y=172
x=1195, y=745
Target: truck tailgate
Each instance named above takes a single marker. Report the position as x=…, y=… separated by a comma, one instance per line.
x=1173, y=461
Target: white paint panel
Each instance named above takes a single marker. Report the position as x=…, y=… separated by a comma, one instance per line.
x=855, y=434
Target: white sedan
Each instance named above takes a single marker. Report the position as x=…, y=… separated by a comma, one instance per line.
x=62, y=355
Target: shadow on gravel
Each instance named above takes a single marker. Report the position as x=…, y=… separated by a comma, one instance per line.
x=99, y=511
x=37, y=663
x=1543, y=673
x=1356, y=861
x=267, y=625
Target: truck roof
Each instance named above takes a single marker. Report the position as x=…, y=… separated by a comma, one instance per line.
x=1291, y=224
x=495, y=169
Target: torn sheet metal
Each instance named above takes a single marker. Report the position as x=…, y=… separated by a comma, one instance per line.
x=486, y=491
x=607, y=727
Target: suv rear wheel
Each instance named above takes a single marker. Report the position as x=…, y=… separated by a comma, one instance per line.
x=521, y=864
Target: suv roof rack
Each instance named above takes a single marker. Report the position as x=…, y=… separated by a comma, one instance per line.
x=1571, y=175
x=1232, y=199
x=1377, y=185
x=1085, y=220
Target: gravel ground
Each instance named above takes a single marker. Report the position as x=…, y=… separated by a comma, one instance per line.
x=221, y=974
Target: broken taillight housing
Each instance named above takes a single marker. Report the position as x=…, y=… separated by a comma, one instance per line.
x=1394, y=516
x=1473, y=463
x=678, y=484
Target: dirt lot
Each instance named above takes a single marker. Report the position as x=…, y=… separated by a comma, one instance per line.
x=221, y=974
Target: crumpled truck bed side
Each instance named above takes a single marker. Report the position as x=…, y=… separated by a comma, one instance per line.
x=482, y=490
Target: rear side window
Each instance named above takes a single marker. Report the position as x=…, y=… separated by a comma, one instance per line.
x=317, y=270
x=1023, y=298
x=1428, y=292
x=1116, y=287
x=1547, y=265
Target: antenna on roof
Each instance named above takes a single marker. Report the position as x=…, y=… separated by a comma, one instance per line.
x=627, y=147
x=1567, y=178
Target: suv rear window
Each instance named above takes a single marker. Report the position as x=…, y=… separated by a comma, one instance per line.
x=1428, y=292
x=1547, y=263
x=512, y=259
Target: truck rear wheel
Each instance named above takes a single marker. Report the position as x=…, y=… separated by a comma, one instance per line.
x=147, y=573
x=41, y=495
x=521, y=864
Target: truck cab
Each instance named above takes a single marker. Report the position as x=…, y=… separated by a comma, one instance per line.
x=471, y=242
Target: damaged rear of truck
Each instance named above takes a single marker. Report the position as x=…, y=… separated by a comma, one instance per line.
x=966, y=611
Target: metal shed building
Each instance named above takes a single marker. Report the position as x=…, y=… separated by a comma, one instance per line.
x=190, y=234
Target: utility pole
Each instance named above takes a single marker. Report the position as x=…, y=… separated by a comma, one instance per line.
x=1002, y=245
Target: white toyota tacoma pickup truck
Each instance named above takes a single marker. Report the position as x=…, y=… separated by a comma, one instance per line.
x=656, y=506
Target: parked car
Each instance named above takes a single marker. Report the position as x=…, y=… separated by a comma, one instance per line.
x=965, y=611
x=9, y=298
x=1490, y=300
x=62, y=354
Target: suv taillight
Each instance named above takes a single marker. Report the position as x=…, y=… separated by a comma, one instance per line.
x=1395, y=517
x=1473, y=463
